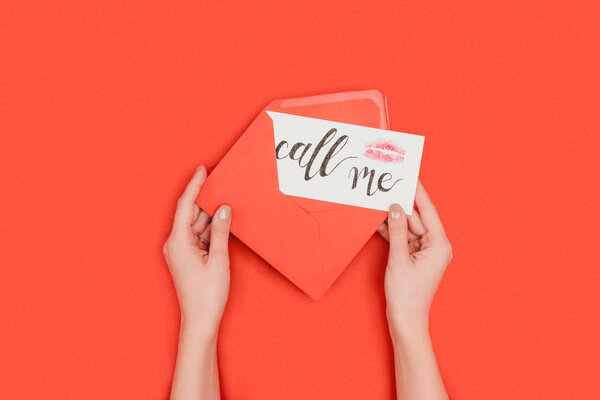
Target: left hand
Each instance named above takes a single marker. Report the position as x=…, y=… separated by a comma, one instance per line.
x=201, y=276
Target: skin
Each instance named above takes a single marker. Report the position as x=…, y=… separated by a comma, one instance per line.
x=201, y=278
x=419, y=254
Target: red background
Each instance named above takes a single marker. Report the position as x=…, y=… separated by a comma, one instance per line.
x=106, y=108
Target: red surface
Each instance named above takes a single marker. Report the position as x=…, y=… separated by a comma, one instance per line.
x=107, y=108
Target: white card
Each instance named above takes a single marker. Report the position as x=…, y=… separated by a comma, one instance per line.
x=344, y=163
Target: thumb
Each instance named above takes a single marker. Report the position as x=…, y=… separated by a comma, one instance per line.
x=219, y=234
x=398, y=231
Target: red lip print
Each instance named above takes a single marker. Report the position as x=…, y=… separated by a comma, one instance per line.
x=384, y=151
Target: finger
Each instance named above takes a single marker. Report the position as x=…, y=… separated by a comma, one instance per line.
x=398, y=233
x=185, y=205
x=429, y=215
x=205, y=234
x=415, y=225
x=202, y=244
x=412, y=236
x=414, y=246
x=219, y=234
x=201, y=223
x=196, y=213
x=383, y=231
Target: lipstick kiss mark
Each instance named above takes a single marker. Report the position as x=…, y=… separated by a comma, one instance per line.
x=385, y=151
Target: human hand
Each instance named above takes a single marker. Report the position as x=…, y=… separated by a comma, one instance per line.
x=419, y=254
x=200, y=275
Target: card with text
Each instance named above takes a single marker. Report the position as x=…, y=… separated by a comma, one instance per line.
x=344, y=163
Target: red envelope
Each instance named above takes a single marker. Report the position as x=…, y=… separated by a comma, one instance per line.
x=309, y=241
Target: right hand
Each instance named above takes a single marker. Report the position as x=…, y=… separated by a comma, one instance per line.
x=419, y=254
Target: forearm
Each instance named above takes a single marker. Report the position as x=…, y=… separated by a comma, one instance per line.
x=417, y=373
x=196, y=374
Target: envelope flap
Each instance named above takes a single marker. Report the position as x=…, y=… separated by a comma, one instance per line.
x=250, y=161
x=268, y=221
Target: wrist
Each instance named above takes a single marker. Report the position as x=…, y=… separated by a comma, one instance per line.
x=408, y=330
x=199, y=329
x=410, y=338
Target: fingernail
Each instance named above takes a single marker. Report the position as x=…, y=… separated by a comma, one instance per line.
x=200, y=168
x=225, y=212
x=395, y=211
